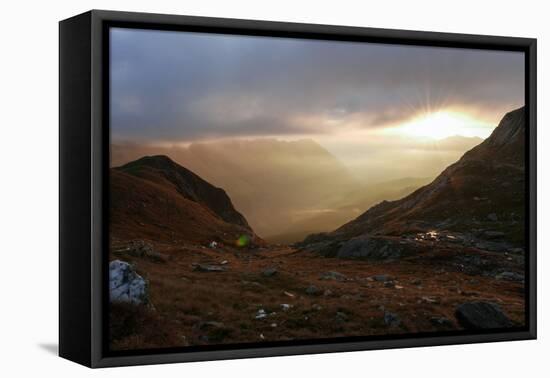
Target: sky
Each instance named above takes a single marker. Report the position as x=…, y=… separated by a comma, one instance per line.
x=358, y=100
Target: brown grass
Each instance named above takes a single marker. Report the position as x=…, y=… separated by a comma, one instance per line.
x=186, y=302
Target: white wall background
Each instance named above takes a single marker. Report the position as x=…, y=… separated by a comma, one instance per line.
x=28, y=186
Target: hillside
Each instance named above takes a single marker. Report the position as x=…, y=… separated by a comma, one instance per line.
x=157, y=199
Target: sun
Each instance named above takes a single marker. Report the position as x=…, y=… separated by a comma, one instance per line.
x=443, y=124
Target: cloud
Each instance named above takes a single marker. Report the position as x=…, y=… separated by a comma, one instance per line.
x=185, y=86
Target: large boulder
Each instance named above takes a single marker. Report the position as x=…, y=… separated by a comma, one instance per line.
x=125, y=285
x=481, y=315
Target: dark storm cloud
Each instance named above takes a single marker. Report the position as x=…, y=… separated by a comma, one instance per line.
x=182, y=86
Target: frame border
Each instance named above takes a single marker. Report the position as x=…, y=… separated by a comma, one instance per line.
x=99, y=138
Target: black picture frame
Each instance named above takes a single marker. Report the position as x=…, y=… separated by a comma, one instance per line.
x=83, y=195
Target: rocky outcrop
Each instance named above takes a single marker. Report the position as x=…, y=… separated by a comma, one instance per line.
x=125, y=285
x=370, y=247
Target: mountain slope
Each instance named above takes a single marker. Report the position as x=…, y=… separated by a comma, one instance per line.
x=483, y=191
x=157, y=198
x=188, y=184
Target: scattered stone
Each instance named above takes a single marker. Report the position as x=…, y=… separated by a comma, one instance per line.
x=481, y=315
x=391, y=319
x=224, y=262
x=430, y=300
x=213, y=244
x=253, y=283
x=492, y=246
x=261, y=314
x=492, y=217
x=286, y=306
x=288, y=294
x=441, y=321
x=341, y=316
x=269, y=272
x=125, y=285
x=273, y=325
x=210, y=324
x=312, y=290
x=208, y=268
x=140, y=248
x=398, y=287
x=327, y=293
x=316, y=307
x=494, y=234
x=336, y=276
x=381, y=278
x=510, y=276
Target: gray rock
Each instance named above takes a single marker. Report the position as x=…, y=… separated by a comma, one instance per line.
x=391, y=319
x=381, y=278
x=286, y=306
x=492, y=246
x=441, y=321
x=209, y=324
x=125, y=285
x=481, y=315
x=335, y=276
x=510, y=276
x=494, y=234
x=140, y=248
x=312, y=290
x=269, y=272
x=370, y=247
x=208, y=268
x=341, y=316
x=316, y=307
x=492, y=217
x=324, y=248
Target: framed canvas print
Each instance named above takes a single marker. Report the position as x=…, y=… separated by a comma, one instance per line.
x=233, y=188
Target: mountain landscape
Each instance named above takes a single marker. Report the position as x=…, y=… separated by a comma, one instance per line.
x=258, y=172
x=433, y=255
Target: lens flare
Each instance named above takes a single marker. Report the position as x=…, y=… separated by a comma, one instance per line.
x=243, y=241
